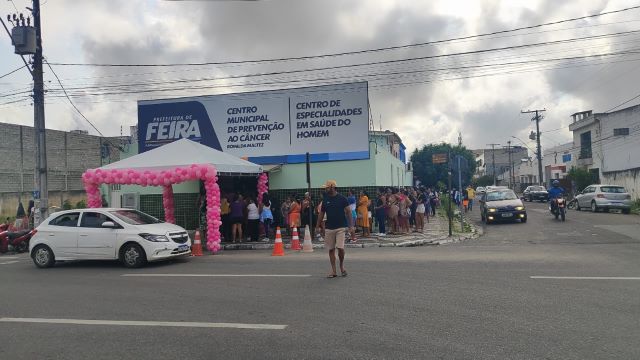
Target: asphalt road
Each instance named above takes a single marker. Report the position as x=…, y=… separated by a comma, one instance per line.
x=472, y=300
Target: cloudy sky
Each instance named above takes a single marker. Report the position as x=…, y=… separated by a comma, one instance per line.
x=424, y=92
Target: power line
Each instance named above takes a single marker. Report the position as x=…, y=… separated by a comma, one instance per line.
x=355, y=52
x=617, y=106
x=76, y=108
x=12, y=71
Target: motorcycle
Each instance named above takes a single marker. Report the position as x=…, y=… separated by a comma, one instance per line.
x=558, y=208
x=15, y=241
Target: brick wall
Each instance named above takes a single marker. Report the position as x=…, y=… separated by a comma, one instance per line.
x=68, y=156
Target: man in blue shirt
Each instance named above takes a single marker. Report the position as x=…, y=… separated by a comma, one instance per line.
x=339, y=216
x=555, y=191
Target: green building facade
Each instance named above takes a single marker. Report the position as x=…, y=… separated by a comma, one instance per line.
x=386, y=167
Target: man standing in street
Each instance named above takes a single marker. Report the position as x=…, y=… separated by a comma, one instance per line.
x=339, y=216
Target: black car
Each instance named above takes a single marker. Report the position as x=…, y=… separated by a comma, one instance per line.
x=536, y=193
x=500, y=205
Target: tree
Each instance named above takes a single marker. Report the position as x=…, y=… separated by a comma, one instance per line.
x=484, y=180
x=581, y=177
x=66, y=205
x=431, y=174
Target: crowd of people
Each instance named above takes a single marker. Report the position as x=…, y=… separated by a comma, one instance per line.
x=390, y=211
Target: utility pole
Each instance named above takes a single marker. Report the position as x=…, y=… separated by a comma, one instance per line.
x=459, y=139
x=493, y=166
x=510, y=165
x=537, y=119
x=41, y=190
x=27, y=40
x=449, y=214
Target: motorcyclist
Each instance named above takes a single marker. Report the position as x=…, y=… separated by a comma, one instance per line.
x=555, y=192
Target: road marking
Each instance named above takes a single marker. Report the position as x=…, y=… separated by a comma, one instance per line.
x=144, y=323
x=8, y=262
x=585, y=277
x=10, y=257
x=212, y=275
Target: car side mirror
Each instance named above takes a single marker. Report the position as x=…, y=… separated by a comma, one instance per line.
x=109, y=225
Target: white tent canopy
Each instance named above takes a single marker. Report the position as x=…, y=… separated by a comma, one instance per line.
x=184, y=153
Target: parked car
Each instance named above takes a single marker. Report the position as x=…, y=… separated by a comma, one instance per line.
x=130, y=236
x=480, y=190
x=605, y=197
x=500, y=205
x=536, y=192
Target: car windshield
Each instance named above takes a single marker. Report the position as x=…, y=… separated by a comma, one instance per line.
x=537, y=188
x=135, y=217
x=613, y=189
x=501, y=195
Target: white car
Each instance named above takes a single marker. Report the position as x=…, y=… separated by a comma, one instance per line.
x=605, y=197
x=130, y=236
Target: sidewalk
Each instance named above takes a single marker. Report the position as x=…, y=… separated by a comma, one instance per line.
x=436, y=232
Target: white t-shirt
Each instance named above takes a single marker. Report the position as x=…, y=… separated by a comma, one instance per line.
x=253, y=212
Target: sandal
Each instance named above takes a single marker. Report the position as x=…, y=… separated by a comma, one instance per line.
x=344, y=273
x=331, y=276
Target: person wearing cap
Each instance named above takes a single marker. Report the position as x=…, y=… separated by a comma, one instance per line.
x=338, y=212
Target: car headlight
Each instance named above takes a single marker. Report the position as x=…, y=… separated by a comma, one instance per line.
x=519, y=208
x=492, y=210
x=154, y=238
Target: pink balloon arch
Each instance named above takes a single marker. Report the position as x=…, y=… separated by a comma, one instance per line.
x=263, y=179
x=92, y=179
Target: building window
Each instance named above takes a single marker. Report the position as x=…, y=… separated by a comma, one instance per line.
x=585, y=145
x=621, y=132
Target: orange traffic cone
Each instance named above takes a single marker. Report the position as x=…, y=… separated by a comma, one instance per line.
x=295, y=240
x=196, y=249
x=278, y=247
x=307, y=246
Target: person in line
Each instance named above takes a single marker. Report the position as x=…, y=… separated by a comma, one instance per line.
x=403, y=214
x=363, y=213
x=394, y=209
x=307, y=211
x=253, y=220
x=284, y=209
x=380, y=211
x=266, y=216
x=338, y=212
x=433, y=202
x=420, y=211
x=237, y=218
x=294, y=214
x=353, y=205
x=225, y=210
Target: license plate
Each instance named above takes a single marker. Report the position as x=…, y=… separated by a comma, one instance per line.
x=183, y=247
x=507, y=215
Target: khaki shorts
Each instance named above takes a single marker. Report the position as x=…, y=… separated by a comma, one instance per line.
x=334, y=238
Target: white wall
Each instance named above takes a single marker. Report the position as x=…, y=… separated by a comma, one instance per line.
x=621, y=152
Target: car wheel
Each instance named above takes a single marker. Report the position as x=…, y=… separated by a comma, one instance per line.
x=594, y=207
x=43, y=256
x=577, y=206
x=523, y=220
x=132, y=256
x=562, y=214
x=530, y=198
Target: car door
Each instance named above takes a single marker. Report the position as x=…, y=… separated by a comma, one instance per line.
x=62, y=234
x=587, y=196
x=95, y=241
